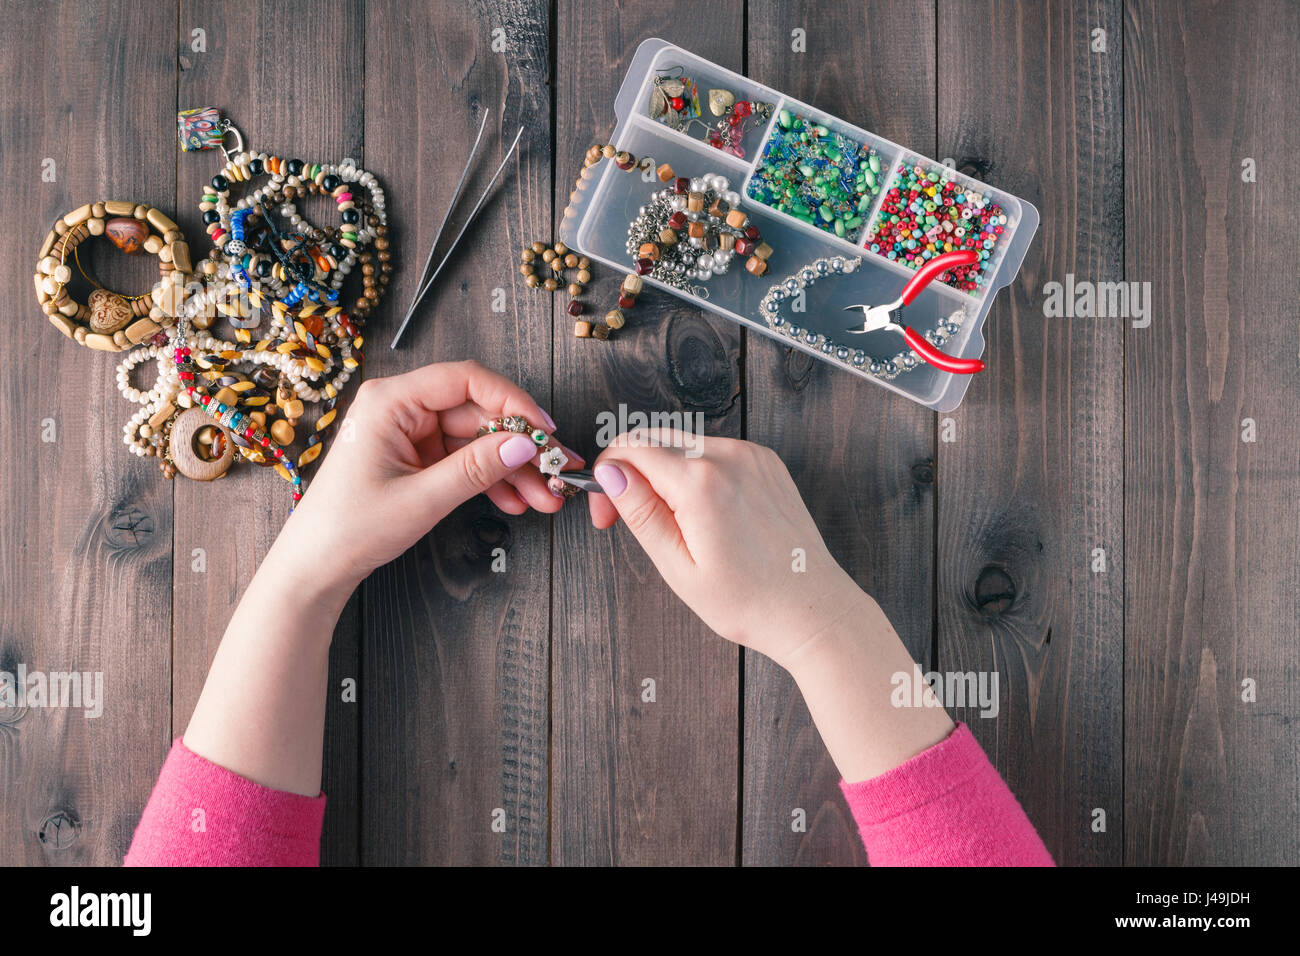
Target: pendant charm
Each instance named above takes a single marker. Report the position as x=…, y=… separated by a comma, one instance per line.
x=720, y=101
x=108, y=312
x=199, y=129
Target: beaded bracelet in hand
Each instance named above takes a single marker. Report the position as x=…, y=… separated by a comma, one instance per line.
x=770, y=308
x=109, y=321
x=553, y=459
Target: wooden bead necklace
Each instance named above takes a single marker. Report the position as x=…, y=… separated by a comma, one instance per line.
x=107, y=320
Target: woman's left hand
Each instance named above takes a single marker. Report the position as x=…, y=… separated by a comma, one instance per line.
x=406, y=456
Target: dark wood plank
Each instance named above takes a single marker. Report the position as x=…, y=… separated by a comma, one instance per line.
x=455, y=656
x=85, y=566
x=1034, y=480
x=862, y=457
x=1212, y=592
x=635, y=782
x=295, y=106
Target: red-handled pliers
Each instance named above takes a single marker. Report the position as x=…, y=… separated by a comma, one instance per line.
x=881, y=317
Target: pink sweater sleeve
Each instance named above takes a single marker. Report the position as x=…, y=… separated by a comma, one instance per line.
x=947, y=806
x=200, y=814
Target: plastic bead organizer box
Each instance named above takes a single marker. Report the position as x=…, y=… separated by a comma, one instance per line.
x=1000, y=228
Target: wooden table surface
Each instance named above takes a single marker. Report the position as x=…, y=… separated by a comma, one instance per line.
x=1147, y=708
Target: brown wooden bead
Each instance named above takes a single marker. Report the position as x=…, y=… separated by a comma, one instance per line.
x=763, y=251
x=570, y=260
x=600, y=332
x=695, y=230
x=667, y=237
x=719, y=208
x=528, y=255
x=532, y=281
x=526, y=269
x=726, y=241
x=183, y=446
x=575, y=289
x=548, y=255
x=582, y=329
x=665, y=173
x=539, y=248
x=614, y=318
x=608, y=151
x=695, y=202
x=736, y=219
x=127, y=234
x=632, y=284
x=282, y=432
x=756, y=265
x=550, y=285
x=561, y=249
x=584, y=262
x=583, y=276
x=108, y=311
x=649, y=251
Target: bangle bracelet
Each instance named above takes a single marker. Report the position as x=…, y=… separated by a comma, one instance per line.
x=107, y=320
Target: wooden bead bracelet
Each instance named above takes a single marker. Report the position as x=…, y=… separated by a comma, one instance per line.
x=109, y=321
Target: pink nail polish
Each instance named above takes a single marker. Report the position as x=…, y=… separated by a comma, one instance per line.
x=611, y=478
x=550, y=422
x=519, y=450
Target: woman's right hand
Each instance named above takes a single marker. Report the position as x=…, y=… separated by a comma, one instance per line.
x=730, y=534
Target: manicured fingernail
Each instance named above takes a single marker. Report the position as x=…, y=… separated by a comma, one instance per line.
x=571, y=454
x=611, y=478
x=550, y=423
x=517, y=451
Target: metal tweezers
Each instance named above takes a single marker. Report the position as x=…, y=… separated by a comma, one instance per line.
x=581, y=479
x=426, y=284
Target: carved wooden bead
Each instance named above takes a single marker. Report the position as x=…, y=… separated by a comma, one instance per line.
x=763, y=251
x=695, y=202
x=736, y=219
x=665, y=173
x=582, y=329
x=649, y=251
x=667, y=237
x=756, y=265
x=614, y=318
x=600, y=332
x=632, y=284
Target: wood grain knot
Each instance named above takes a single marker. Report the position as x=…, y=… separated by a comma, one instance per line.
x=702, y=374
x=923, y=472
x=995, y=592
x=60, y=829
x=129, y=528
x=799, y=368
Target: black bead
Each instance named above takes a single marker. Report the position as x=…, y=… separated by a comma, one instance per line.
x=351, y=215
x=338, y=252
x=263, y=268
x=255, y=167
x=331, y=183
x=219, y=183
x=210, y=217
x=295, y=167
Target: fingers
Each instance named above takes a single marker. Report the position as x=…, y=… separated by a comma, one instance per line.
x=468, y=471
x=646, y=514
x=416, y=397
x=526, y=486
